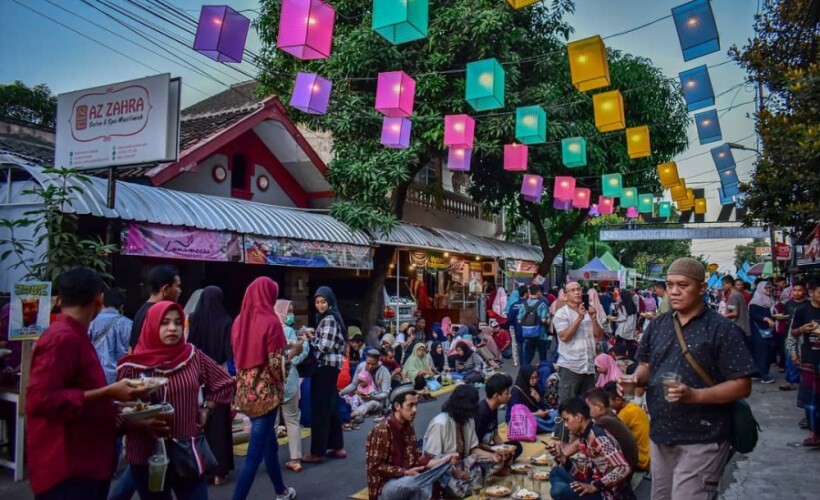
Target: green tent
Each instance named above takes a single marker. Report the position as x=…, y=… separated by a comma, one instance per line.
x=611, y=262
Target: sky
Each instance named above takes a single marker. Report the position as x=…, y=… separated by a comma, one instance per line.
x=35, y=50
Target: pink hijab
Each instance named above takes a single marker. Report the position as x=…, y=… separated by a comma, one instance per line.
x=595, y=302
x=446, y=325
x=369, y=386
x=560, y=302
x=612, y=373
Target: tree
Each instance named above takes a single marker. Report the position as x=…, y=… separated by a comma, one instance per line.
x=783, y=57
x=746, y=253
x=29, y=104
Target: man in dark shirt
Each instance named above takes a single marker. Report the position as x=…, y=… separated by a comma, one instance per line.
x=806, y=326
x=486, y=426
x=165, y=285
x=691, y=422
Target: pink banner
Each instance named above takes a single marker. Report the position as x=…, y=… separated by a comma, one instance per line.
x=156, y=240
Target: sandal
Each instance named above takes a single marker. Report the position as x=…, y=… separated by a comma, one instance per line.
x=787, y=387
x=347, y=427
x=220, y=480
x=337, y=454
x=812, y=441
x=294, y=465
x=310, y=459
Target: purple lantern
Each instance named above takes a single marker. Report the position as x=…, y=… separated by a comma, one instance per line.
x=632, y=213
x=311, y=93
x=221, y=33
x=395, y=94
x=593, y=210
x=565, y=205
x=396, y=133
x=306, y=29
x=532, y=188
x=458, y=159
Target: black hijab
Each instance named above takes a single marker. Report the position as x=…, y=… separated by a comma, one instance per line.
x=333, y=308
x=523, y=380
x=439, y=359
x=210, y=326
x=467, y=351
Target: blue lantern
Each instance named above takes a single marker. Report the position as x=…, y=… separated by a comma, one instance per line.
x=531, y=125
x=697, y=30
x=665, y=209
x=697, y=88
x=722, y=155
x=728, y=177
x=725, y=199
x=730, y=190
x=574, y=152
x=708, y=126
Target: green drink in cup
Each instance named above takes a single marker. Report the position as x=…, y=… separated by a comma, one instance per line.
x=157, y=467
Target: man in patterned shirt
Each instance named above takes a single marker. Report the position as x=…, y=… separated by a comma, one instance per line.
x=396, y=468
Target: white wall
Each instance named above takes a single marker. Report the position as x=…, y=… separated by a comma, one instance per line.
x=275, y=195
x=202, y=181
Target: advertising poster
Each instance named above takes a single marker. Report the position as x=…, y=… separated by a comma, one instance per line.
x=30, y=312
x=476, y=278
x=177, y=242
x=438, y=262
x=299, y=253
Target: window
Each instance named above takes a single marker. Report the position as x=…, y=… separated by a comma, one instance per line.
x=239, y=173
x=427, y=175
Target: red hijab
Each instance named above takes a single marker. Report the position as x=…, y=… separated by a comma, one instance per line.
x=257, y=330
x=150, y=352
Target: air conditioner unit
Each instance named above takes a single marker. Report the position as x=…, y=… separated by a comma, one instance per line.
x=488, y=268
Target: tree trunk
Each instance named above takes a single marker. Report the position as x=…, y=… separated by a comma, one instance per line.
x=372, y=304
x=550, y=252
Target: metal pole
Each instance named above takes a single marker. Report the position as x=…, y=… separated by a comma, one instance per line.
x=398, y=289
x=111, y=202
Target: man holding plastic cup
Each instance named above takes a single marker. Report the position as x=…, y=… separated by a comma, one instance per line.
x=691, y=420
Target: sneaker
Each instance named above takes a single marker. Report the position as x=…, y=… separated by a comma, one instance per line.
x=290, y=495
x=767, y=381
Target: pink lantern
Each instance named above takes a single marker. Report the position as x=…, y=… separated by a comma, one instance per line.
x=396, y=133
x=311, y=93
x=632, y=213
x=459, y=131
x=395, y=93
x=565, y=205
x=581, y=197
x=458, y=159
x=221, y=33
x=306, y=29
x=606, y=205
x=515, y=157
x=564, y=188
x=532, y=188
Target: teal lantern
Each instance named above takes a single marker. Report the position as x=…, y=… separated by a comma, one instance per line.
x=665, y=209
x=629, y=197
x=485, y=85
x=400, y=21
x=646, y=203
x=531, y=125
x=611, y=185
x=574, y=152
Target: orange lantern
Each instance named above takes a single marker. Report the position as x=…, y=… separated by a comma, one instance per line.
x=588, y=63
x=637, y=142
x=668, y=174
x=700, y=206
x=520, y=4
x=609, y=111
x=678, y=192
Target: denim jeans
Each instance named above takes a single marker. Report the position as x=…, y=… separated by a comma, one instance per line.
x=263, y=445
x=124, y=487
x=76, y=489
x=560, y=489
x=184, y=489
x=763, y=352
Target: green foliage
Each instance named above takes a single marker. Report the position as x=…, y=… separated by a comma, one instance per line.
x=783, y=56
x=746, y=253
x=29, y=104
x=55, y=228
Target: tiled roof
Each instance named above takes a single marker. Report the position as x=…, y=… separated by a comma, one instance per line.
x=39, y=152
x=238, y=96
x=197, y=128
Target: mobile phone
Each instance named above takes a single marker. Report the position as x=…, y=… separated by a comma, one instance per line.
x=585, y=299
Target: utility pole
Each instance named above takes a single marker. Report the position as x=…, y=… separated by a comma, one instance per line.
x=760, y=109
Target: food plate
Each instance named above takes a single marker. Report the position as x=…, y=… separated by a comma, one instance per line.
x=525, y=494
x=648, y=315
x=497, y=491
x=521, y=468
x=540, y=475
x=780, y=317
x=152, y=383
x=141, y=410
x=541, y=460
x=503, y=448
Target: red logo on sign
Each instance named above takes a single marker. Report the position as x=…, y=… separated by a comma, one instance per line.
x=81, y=118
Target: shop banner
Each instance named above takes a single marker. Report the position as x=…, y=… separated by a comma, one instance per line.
x=177, y=242
x=438, y=262
x=476, y=278
x=783, y=251
x=298, y=253
x=521, y=266
x=30, y=312
x=658, y=268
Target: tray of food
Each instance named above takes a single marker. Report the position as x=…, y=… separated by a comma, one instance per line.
x=520, y=468
x=151, y=383
x=540, y=475
x=497, y=491
x=541, y=459
x=780, y=317
x=648, y=315
x=140, y=410
x=525, y=494
x=504, y=448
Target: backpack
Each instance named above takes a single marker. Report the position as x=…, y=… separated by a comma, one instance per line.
x=530, y=325
x=522, y=425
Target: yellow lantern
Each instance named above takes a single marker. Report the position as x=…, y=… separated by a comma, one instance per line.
x=700, y=206
x=678, y=192
x=609, y=111
x=588, y=63
x=520, y=4
x=668, y=174
x=637, y=142
x=687, y=203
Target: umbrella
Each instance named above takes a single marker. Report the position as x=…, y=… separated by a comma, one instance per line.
x=761, y=269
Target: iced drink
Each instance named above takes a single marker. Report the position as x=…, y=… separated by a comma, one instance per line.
x=670, y=380
x=31, y=309
x=157, y=466
x=628, y=386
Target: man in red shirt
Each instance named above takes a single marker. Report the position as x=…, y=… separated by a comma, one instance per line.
x=69, y=408
x=502, y=339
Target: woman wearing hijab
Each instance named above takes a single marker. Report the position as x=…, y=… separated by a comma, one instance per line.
x=762, y=326
x=297, y=352
x=210, y=332
x=259, y=346
x=469, y=365
x=438, y=356
x=329, y=345
x=608, y=370
x=163, y=352
x=418, y=367
x=525, y=392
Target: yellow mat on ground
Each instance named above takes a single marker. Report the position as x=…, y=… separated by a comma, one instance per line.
x=240, y=450
x=444, y=390
x=530, y=449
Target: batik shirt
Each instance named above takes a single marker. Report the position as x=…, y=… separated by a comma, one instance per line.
x=602, y=461
x=381, y=461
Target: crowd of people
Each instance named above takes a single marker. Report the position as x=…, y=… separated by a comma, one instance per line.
x=620, y=358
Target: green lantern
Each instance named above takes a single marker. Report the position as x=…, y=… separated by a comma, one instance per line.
x=665, y=209
x=485, y=85
x=400, y=21
x=574, y=152
x=611, y=185
x=629, y=197
x=646, y=203
x=531, y=125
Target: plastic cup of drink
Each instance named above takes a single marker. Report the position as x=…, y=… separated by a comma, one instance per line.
x=157, y=467
x=669, y=380
x=628, y=386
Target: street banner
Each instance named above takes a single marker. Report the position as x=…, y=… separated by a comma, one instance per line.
x=782, y=251
x=656, y=268
x=521, y=266
x=30, y=312
x=746, y=266
x=763, y=250
x=299, y=253
x=124, y=123
x=177, y=242
x=688, y=233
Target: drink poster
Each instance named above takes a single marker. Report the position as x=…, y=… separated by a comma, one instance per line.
x=30, y=312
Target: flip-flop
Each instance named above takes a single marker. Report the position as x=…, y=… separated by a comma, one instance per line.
x=336, y=454
x=295, y=466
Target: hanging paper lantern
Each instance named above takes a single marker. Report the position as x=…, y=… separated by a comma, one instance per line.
x=708, y=126
x=646, y=202
x=515, y=157
x=485, y=85
x=609, y=111
x=593, y=211
x=574, y=152
x=629, y=197
x=611, y=185
x=531, y=125
x=665, y=209
x=725, y=198
x=395, y=94
x=221, y=33
x=728, y=177
x=700, y=206
x=311, y=93
x=458, y=159
x=632, y=213
x=532, y=188
x=731, y=189
x=459, y=131
x=697, y=88
x=722, y=155
x=687, y=203
x=396, y=133
x=697, y=30
x=606, y=205
x=520, y=4
x=400, y=21
x=564, y=188
x=637, y=142
x=581, y=198
x=668, y=174
x=588, y=63
x=306, y=29
x=678, y=192
x=565, y=205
